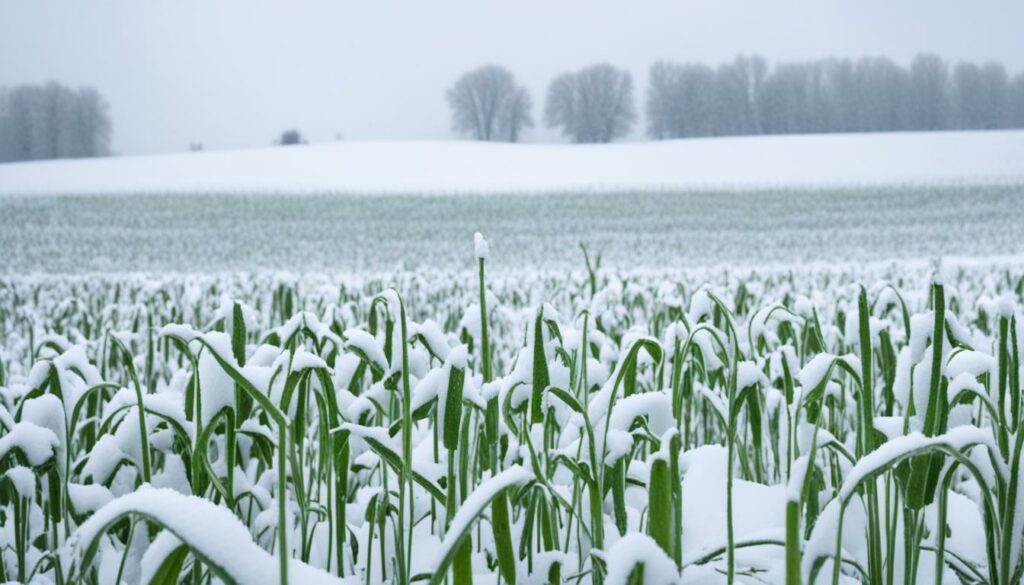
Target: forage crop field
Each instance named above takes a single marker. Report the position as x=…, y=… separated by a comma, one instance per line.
x=615, y=424
x=813, y=379
x=355, y=234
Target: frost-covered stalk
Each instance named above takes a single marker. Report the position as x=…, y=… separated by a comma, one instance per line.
x=482, y=251
x=501, y=522
x=733, y=359
x=940, y=526
x=452, y=431
x=406, y=487
x=282, y=501
x=541, y=377
x=129, y=367
x=241, y=400
x=20, y=483
x=1012, y=517
x=592, y=269
x=660, y=515
x=730, y=439
x=793, y=539
x=281, y=420
x=925, y=470
x=866, y=432
x=193, y=411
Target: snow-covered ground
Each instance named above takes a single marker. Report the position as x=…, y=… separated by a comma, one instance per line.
x=225, y=333
x=469, y=167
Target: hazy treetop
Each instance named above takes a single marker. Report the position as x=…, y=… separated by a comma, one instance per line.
x=233, y=72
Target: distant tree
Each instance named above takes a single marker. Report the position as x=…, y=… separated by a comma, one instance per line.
x=53, y=121
x=830, y=95
x=594, y=104
x=6, y=146
x=91, y=123
x=844, y=96
x=664, y=119
x=731, y=105
x=290, y=137
x=516, y=115
x=784, y=99
x=929, y=93
x=995, y=96
x=754, y=70
x=487, y=104
x=1016, y=109
x=967, y=96
x=884, y=95
x=681, y=101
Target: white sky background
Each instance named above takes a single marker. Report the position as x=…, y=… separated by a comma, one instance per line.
x=234, y=73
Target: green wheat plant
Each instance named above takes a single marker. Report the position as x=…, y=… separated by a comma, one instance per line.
x=604, y=425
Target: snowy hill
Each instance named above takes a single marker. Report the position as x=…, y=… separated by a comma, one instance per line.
x=468, y=167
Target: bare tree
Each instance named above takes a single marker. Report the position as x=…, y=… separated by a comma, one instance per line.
x=785, y=101
x=829, y=95
x=695, y=100
x=967, y=96
x=929, y=93
x=662, y=113
x=995, y=95
x=681, y=101
x=1017, y=101
x=53, y=121
x=754, y=70
x=6, y=129
x=594, y=104
x=516, y=115
x=730, y=106
x=487, y=104
x=92, y=118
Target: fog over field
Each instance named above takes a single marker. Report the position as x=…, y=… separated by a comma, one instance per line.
x=236, y=74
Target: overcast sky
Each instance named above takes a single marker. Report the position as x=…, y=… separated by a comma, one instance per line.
x=234, y=73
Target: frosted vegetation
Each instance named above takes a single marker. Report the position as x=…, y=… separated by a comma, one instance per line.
x=815, y=424
x=356, y=234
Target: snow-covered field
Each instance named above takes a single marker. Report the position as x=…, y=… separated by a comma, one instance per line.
x=836, y=160
x=356, y=234
x=774, y=383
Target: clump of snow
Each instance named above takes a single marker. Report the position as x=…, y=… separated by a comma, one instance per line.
x=88, y=498
x=476, y=502
x=23, y=480
x=973, y=363
x=206, y=527
x=38, y=444
x=639, y=549
x=757, y=509
x=957, y=438
x=369, y=346
x=433, y=336
x=480, y=246
x=215, y=384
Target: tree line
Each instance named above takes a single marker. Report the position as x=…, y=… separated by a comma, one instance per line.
x=596, y=103
x=52, y=120
x=745, y=97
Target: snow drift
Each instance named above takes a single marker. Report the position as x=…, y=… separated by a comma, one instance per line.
x=487, y=168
